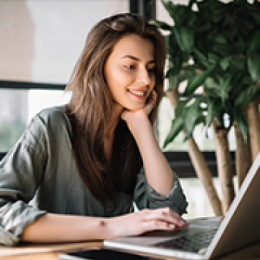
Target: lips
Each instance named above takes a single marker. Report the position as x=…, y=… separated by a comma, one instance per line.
x=138, y=93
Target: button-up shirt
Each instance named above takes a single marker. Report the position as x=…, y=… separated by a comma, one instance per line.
x=39, y=175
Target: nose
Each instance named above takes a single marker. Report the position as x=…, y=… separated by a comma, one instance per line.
x=143, y=77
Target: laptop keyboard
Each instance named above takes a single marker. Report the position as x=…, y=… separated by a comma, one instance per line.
x=191, y=243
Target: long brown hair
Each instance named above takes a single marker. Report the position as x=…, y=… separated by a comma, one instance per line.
x=90, y=109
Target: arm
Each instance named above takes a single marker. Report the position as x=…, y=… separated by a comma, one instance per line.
x=64, y=228
x=158, y=172
x=20, y=176
x=146, y=197
x=69, y=228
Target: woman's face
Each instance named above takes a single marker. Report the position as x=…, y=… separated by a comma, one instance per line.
x=130, y=72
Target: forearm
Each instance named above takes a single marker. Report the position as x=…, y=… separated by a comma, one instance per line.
x=158, y=171
x=67, y=228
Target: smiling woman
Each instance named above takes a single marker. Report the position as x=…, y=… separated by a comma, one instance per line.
x=83, y=165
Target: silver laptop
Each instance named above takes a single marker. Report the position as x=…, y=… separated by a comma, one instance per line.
x=207, y=238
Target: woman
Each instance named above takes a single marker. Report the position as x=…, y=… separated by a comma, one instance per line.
x=75, y=172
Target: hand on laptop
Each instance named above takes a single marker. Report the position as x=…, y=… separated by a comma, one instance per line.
x=137, y=223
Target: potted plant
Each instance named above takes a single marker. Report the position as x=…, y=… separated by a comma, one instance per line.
x=215, y=46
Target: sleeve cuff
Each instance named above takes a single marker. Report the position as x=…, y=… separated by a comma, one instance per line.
x=175, y=199
x=13, y=226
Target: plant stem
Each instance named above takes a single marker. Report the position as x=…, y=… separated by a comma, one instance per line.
x=253, y=122
x=199, y=163
x=243, y=156
x=225, y=169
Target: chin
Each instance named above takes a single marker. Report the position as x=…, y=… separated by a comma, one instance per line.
x=135, y=108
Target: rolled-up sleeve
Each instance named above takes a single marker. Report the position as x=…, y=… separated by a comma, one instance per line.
x=21, y=171
x=146, y=197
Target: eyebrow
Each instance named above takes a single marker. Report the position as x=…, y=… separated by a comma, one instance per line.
x=135, y=58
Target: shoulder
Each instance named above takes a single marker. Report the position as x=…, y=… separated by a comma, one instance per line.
x=49, y=121
x=53, y=115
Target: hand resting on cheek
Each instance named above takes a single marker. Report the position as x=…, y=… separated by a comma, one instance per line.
x=137, y=117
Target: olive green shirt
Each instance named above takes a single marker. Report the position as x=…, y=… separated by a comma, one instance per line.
x=39, y=175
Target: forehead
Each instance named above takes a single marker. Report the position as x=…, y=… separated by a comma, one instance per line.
x=135, y=46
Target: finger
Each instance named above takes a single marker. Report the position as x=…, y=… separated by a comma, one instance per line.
x=170, y=212
x=148, y=108
x=166, y=215
x=152, y=98
x=157, y=225
x=151, y=102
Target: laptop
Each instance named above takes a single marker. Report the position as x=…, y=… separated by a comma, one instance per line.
x=207, y=238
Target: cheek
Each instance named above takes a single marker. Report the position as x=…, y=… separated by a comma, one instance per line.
x=118, y=79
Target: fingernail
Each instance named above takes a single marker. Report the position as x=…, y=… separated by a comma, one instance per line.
x=171, y=226
x=183, y=222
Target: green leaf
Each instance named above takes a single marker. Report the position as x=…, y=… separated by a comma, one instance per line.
x=213, y=57
x=167, y=8
x=253, y=63
x=200, y=55
x=174, y=69
x=177, y=12
x=173, y=47
x=236, y=83
x=225, y=62
x=163, y=25
x=180, y=107
x=197, y=81
x=247, y=95
x=191, y=116
x=180, y=13
x=222, y=50
x=255, y=15
x=256, y=90
x=185, y=38
x=175, y=130
x=177, y=63
x=247, y=80
x=186, y=73
x=244, y=97
x=173, y=82
x=254, y=42
x=173, y=72
x=205, y=5
x=226, y=85
x=219, y=38
x=241, y=122
x=167, y=73
x=211, y=88
x=239, y=62
x=214, y=107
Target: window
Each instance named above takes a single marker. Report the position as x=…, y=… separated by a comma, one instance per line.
x=40, y=43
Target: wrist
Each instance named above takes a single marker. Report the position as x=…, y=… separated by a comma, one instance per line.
x=140, y=126
x=107, y=228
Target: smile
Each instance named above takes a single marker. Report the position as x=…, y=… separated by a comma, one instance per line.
x=138, y=93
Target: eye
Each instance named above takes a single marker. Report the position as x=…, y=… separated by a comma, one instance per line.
x=151, y=70
x=130, y=66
